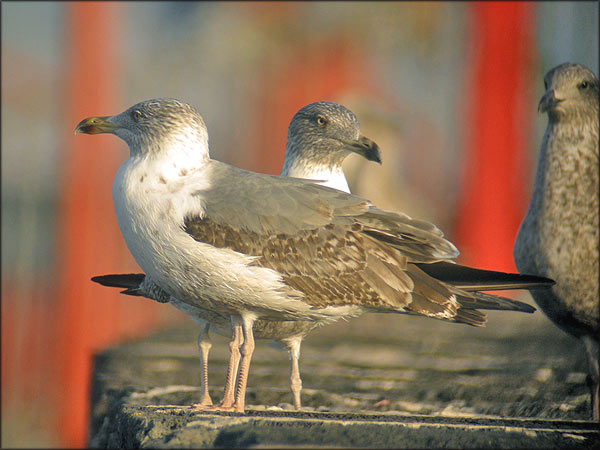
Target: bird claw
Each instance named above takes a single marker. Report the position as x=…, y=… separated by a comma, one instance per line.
x=221, y=407
x=384, y=402
x=201, y=406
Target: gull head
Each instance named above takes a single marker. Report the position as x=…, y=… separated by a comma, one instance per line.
x=571, y=92
x=152, y=126
x=324, y=133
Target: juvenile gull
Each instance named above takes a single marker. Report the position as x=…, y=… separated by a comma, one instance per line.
x=559, y=234
x=320, y=136
x=257, y=246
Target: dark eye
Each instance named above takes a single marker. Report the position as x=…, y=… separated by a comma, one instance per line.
x=321, y=121
x=584, y=85
x=136, y=115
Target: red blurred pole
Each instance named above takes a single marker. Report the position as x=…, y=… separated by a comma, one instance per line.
x=498, y=127
x=89, y=238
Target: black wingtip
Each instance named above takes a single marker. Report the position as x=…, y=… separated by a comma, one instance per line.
x=132, y=291
x=523, y=307
x=127, y=280
x=471, y=279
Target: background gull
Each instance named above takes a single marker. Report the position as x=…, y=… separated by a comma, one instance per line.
x=559, y=234
x=260, y=246
x=320, y=136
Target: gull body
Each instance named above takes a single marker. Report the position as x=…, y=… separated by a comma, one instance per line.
x=558, y=237
x=256, y=246
x=308, y=155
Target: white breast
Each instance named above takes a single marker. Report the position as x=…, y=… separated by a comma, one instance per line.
x=151, y=205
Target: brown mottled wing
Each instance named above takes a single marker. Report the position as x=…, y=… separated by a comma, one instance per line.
x=334, y=247
x=336, y=265
x=419, y=241
x=266, y=204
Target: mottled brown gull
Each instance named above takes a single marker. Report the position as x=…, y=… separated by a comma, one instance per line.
x=559, y=234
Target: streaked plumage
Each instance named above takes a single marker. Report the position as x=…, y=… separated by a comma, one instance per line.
x=559, y=234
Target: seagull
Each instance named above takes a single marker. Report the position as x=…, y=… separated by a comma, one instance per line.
x=558, y=237
x=256, y=246
x=309, y=155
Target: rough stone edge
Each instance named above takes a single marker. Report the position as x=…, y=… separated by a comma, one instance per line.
x=131, y=421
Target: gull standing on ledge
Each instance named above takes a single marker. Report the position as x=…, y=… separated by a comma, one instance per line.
x=559, y=234
x=320, y=136
x=257, y=246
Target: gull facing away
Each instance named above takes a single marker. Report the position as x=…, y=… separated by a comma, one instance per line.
x=558, y=237
x=257, y=246
x=309, y=154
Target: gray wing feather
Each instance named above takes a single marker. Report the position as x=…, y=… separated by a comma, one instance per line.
x=335, y=248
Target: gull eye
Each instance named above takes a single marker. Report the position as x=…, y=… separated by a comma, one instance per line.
x=136, y=115
x=584, y=85
x=321, y=121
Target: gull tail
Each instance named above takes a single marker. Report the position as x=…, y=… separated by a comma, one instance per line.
x=439, y=299
x=470, y=304
x=481, y=300
x=471, y=279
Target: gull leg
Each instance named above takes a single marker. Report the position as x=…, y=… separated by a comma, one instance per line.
x=247, y=350
x=293, y=346
x=226, y=404
x=204, y=345
x=234, y=360
x=591, y=348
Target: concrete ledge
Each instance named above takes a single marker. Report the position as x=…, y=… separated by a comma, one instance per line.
x=171, y=426
x=377, y=381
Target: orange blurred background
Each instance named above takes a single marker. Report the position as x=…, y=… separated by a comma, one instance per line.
x=448, y=91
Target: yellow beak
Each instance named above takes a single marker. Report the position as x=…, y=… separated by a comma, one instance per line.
x=96, y=125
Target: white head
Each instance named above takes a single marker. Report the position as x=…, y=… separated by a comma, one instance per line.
x=154, y=126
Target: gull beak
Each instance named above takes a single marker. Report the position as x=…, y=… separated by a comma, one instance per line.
x=548, y=101
x=96, y=125
x=365, y=147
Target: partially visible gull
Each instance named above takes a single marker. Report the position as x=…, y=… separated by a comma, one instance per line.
x=559, y=234
x=257, y=246
x=309, y=154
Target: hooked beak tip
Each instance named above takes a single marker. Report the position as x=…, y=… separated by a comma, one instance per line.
x=374, y=154
x=95, y=125
x=548, y=101
x=368, y=148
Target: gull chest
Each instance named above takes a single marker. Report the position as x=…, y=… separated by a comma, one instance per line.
x=146, y=211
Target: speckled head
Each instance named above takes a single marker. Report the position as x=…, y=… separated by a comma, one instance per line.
x=149, y=126
x=325, y=133
x=571, y=92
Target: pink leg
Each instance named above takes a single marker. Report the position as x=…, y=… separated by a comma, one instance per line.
x=293, y=346
x=204, y=345
x=247, y=350
x=226, y=404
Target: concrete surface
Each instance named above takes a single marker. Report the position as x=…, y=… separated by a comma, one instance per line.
x=376, y=381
